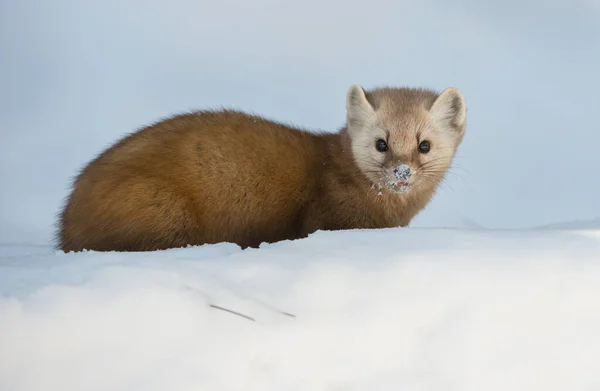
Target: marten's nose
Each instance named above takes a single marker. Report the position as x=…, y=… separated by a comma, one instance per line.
x=402, y=172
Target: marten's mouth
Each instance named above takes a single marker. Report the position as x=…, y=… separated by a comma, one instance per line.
x=398, y=186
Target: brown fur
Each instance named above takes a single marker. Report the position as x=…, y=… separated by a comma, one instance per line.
x=226, y=176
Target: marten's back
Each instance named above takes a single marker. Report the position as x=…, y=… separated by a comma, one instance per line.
x=196, y=178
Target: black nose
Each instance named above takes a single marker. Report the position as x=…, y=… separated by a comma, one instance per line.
x=402, y=172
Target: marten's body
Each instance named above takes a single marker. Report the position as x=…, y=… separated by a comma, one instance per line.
x=226, y=176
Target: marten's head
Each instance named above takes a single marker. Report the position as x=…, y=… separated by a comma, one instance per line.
x=404, y=138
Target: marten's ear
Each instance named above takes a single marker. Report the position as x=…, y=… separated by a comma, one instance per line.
x=358, y=108
x=450, y=110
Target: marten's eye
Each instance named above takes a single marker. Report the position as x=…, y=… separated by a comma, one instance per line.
x=381, y=145
x=424, y=146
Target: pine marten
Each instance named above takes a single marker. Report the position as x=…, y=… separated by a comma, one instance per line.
x=227, y=176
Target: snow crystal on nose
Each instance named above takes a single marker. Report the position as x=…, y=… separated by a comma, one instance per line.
x=402, y=172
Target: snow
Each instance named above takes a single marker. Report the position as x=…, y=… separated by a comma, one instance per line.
x=416, y=308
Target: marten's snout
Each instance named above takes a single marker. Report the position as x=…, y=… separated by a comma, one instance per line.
x=402, y=172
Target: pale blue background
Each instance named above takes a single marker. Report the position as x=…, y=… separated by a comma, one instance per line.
x=77, y=75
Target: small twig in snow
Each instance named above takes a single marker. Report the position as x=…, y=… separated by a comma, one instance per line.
x=232, y=312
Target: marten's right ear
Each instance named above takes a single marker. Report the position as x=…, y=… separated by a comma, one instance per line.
x=358, y=108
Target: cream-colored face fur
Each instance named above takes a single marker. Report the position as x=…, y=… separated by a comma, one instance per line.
x=390, y=130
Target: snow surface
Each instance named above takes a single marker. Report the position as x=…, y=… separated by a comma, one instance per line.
x=391, y=309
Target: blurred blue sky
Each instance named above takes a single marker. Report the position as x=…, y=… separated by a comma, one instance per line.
x=77, y=75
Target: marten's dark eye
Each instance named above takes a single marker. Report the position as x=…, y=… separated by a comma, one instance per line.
x=424, y=146
x=381, y=145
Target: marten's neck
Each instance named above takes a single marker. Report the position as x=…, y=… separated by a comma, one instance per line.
x=342, y=165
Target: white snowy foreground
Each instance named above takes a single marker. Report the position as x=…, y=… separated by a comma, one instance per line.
x=395, y=309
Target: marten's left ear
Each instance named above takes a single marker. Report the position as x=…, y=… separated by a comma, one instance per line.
x=450, y=111
x=358, y=109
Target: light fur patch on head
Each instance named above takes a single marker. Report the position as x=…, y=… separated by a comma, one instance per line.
x=362, y=119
